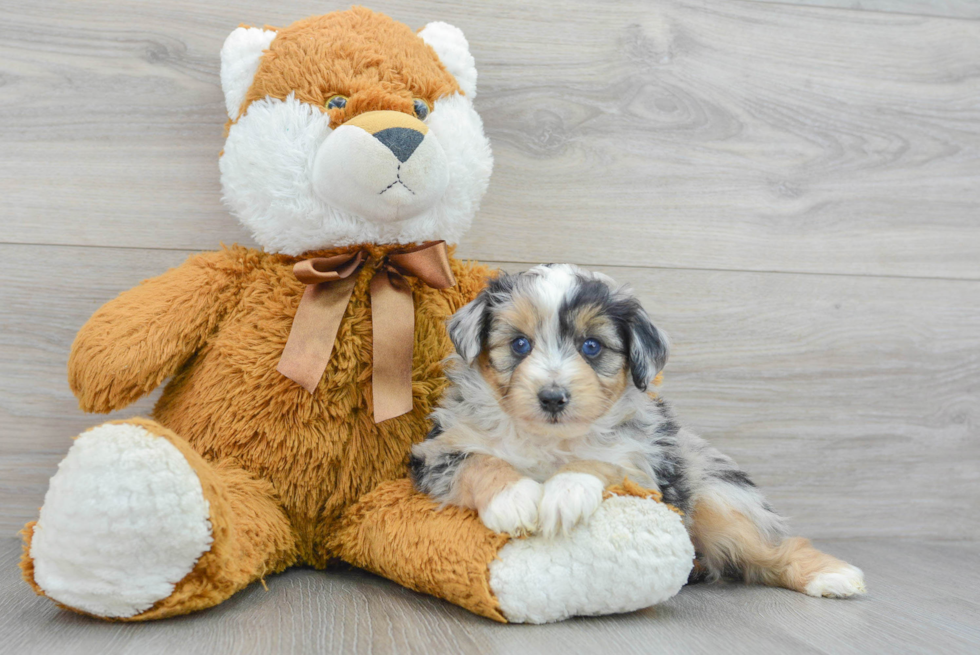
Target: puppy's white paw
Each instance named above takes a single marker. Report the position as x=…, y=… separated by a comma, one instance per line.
x=838, y=583
x=569, y=498
x=514, y=509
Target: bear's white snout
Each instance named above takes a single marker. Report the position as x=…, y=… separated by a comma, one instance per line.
x=384, y=166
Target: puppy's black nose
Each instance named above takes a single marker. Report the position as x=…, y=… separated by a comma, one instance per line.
x=553, y=399
x=402, y=141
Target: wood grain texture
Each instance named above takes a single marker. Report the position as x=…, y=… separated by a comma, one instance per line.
x=729, y=135
x=853, y=401
x=923, y=600
x=946, y=8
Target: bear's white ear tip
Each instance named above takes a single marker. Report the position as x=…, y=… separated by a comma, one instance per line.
x=446, y=32
x=240, y=57
x=453, y=49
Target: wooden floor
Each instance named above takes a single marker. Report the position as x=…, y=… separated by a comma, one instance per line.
x=793, y=187
x=924, y=599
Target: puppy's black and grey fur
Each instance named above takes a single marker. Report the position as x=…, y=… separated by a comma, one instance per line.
x=548, y=404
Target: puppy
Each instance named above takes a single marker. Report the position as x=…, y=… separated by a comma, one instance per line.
x=548, y=404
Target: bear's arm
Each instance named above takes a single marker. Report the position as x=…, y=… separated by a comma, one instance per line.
x=140, y=338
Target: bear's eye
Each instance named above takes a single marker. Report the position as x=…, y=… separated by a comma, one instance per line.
x=421, y=109
x=337, y=102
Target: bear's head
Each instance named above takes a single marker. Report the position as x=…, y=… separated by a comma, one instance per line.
x=349, y=128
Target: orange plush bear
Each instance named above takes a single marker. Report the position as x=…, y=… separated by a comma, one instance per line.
x=301, y=375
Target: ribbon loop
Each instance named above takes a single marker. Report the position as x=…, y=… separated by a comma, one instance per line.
x=330, y=282
x=328, y=269
x=428, y=262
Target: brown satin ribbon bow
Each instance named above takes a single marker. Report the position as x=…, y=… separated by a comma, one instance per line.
x=329, y=284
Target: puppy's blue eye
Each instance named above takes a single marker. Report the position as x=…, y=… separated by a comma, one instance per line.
x=521, y=346
x=421, y=109
x=337, y=102
x=591, y=347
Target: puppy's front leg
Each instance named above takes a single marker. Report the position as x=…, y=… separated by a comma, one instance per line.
x=574, y=493
x=505, y=500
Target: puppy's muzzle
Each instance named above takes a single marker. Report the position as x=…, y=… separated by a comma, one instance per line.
x=553, y=399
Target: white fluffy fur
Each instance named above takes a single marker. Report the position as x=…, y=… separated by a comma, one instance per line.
x=267, y=173
x=454, y=53
x=356, y=173
x=123, y=521
x=633, y=553
x=240, y=56
x=846, y=582
x=514, y=510
x=569, y=499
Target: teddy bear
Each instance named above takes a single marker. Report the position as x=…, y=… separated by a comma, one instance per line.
x=299, y=376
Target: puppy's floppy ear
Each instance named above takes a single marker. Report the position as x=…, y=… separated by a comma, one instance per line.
x=648, y=346
x=466, y=327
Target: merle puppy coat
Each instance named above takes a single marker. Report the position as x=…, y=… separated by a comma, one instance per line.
x=548, y=405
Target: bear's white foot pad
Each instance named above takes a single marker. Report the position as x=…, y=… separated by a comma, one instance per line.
x=123, y=521
x=632, y=553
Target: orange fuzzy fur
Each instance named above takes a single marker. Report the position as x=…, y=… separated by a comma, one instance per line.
x=376, y=62
x=218, y=324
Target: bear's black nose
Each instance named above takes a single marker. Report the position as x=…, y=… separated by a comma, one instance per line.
x=553, y=399
x=402, y=141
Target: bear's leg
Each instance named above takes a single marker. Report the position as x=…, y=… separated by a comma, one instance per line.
x=634, y=552
x=136, y=525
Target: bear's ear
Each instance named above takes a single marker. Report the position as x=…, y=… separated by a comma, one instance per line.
x=454, y=53
x=240, y=57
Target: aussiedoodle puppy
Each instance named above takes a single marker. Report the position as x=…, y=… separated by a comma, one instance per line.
x=548, y=404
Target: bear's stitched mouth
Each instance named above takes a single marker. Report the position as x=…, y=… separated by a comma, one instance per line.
x=398, y=180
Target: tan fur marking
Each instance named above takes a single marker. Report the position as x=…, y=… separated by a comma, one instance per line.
x=610, y=474
x=480, y=478
x=521, y=317
x=613, y=387
x=724, y=536
x=497, y=381
x=590, y=321
x=590, y=399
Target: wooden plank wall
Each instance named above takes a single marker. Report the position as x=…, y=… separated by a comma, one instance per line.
x=793, y=189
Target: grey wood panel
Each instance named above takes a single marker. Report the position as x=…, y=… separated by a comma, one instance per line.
x=853, y=401
x=947, y=8
x=923, y=599
x=735, y=135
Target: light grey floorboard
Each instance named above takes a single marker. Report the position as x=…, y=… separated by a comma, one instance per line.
x=923, y=599
x=722, y=135
x=946, y=8
x=853, y=402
